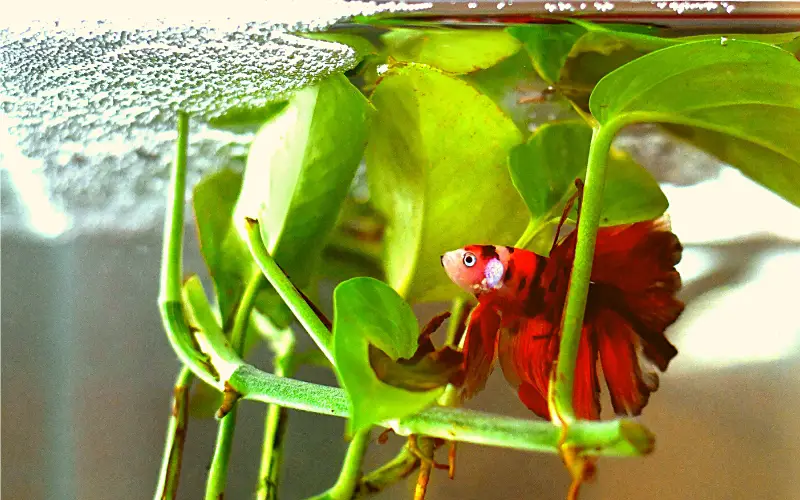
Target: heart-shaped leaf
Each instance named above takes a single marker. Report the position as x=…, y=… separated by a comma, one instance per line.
x=437, y=168
x=739, y=100
x=368, y=312
x=453, y=51
x=299, y=169
x=544, y=170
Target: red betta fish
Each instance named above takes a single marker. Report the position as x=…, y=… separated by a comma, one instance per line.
x=521, y=298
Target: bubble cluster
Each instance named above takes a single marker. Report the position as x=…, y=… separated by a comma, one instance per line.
x=94, y=101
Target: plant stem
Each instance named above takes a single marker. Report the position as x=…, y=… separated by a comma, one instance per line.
x=351, y=469
x=611, y=438
x=293, y=299
x=167, y=487
x=274, y=429
x=242, y=318
x=581, y=271
x=398, y=468
x=169, y=300
x=223, y=361
x=345, y=486
x=615, y=438
x=218, y=472
x=425, y=467
x=172, y=261
x=457, y=310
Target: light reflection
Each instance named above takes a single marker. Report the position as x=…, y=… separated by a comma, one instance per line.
x=728, y=208
x=752, y=317
x=695, y=264
x=750, y=322
x=42, y=216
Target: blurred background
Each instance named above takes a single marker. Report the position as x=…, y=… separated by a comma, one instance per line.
x=87, y=371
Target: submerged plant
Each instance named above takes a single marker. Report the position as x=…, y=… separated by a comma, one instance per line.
x=449, y=163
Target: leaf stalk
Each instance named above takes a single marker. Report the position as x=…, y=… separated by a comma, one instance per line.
x=218, y=472
x=562, y=393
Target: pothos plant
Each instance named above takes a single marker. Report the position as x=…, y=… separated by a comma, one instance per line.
x=450, y=160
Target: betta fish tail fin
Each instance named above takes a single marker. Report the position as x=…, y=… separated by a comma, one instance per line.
x=631, y=303
x=634, y=274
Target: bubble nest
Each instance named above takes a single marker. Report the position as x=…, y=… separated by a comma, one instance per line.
x=93, y=102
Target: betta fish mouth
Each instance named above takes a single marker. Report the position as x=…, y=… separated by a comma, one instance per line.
x=458, y=274
x=451, y=261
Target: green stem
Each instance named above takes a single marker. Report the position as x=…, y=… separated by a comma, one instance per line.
x=274, y=429
x=456, y=312
x=612, y=438
x=172, y=261
x=616, y=438
x=450, y=397
x=581, y=270
x=169, y=300
x=345, y=486
x=242, y=318
x=296, y=303
x=223, y=360
x=397, y=469
x=167, y=487
x=218, y=472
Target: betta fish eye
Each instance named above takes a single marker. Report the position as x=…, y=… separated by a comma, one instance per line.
x=469, y=259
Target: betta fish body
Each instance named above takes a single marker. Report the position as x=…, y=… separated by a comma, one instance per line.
x=521, y=298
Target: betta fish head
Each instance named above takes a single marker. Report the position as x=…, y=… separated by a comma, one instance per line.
x=478, y=269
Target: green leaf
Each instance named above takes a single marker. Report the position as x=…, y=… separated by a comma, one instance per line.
x=225, y=253
x=741, y=98
x=544, y=170
x=505, y=83
x=548, y=45
x=453, y=51
x=578, y=55
x=359, y=44
x=369, y=57
x=428, y=369
x=300, y=167
x=355, y=246
x=368, y=312
x=437, y=168
x=246, y=119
